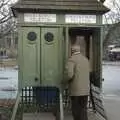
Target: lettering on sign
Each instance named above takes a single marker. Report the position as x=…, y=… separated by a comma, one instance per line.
x=90, y=19
x=44, y=18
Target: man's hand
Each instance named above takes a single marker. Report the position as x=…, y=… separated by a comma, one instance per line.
x=64, y=84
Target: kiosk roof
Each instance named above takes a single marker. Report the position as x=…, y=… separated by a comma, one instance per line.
x=62, y=6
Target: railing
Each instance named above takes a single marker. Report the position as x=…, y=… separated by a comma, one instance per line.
x=16, y=107
x=38, y=99
x=97, y=102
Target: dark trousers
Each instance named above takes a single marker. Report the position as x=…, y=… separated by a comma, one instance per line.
x=79, y=107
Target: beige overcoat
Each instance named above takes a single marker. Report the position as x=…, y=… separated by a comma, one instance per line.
x=77, y=75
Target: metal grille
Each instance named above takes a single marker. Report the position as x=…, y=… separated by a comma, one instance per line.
x=38, y=99
x=66, y=101
x=43, y=99
x=97, y=102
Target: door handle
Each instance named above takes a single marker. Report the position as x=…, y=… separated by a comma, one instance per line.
x=36, y=79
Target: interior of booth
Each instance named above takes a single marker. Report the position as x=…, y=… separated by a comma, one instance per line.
x=89, y=41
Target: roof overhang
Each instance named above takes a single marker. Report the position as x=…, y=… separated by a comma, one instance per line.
x=75, y=6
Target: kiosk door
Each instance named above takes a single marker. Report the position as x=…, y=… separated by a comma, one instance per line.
x=30, y=56
x=51, y=56
x=42, y=56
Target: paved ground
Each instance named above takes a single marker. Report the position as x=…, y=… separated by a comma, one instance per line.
x=111, y=89
x=112, y=106
x=45, y=116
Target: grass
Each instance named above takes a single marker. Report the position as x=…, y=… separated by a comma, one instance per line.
x=8, y=62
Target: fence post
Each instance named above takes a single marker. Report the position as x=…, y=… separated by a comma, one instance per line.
x=61, y=106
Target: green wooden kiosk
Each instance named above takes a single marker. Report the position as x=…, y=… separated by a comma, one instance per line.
x=47, y=28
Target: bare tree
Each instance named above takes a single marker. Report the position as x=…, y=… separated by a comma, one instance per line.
x=8, y=28
x=5, y=13
x=113, y=17
x=7, y=22
x=112, y=26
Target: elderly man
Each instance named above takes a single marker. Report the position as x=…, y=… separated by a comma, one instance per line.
x=77, y=77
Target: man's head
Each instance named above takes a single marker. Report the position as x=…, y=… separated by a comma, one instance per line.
x=75, y=48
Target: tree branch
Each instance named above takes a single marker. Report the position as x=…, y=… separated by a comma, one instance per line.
x=5, y=19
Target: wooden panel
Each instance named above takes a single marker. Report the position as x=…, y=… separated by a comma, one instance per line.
x=31, y=57
x=51, y=64
x=97, y=57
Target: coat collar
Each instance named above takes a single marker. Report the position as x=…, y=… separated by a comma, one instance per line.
x=75, y=53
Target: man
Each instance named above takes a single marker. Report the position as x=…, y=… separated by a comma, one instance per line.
x=77, y=76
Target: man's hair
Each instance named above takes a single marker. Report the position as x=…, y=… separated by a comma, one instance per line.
x=75, y=48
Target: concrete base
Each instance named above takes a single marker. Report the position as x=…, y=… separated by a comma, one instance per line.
x=49, y=116
x=38, y=116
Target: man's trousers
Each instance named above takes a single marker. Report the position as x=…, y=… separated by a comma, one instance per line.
x=79, y=107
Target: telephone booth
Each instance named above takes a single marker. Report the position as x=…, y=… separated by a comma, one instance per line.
x=47, y=30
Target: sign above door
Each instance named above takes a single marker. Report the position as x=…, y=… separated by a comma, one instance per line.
x=91, y=19
x=36, y=17
x=67, y=18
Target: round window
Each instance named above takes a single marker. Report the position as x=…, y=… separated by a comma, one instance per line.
x=49, y=37
x=32, y=36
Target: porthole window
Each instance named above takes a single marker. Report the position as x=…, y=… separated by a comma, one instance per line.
x=32, y=36
x=49, y=37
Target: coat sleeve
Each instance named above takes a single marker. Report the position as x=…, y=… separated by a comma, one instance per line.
x=69, y=71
